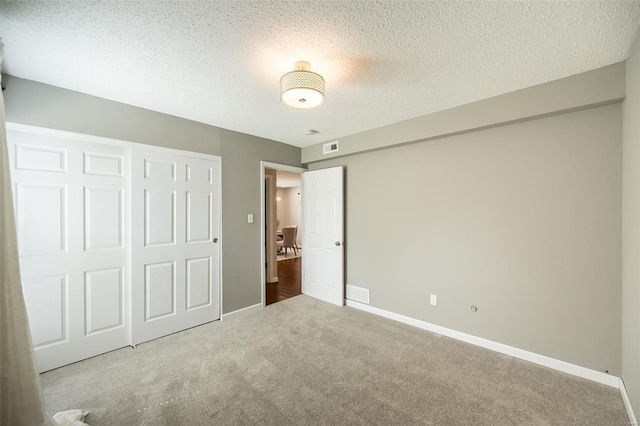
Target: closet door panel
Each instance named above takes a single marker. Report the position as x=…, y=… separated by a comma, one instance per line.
x=175, y=277
x=71, y=205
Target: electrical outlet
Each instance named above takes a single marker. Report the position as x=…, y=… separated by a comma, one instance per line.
x=434, y=300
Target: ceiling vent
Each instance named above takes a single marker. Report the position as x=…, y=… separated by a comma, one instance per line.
x=330, y=147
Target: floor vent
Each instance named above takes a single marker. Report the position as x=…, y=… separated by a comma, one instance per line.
x=358, y=294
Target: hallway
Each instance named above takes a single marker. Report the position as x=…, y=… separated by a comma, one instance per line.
x=289, y=281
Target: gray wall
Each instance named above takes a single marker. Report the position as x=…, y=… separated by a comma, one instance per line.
x=631, y=231
x=593, y=88
x=37, y=104
x=522, y=220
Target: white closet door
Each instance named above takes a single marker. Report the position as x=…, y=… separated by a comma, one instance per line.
x=176, y=252
x=71, y=203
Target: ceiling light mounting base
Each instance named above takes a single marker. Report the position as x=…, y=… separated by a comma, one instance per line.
x=302, y=66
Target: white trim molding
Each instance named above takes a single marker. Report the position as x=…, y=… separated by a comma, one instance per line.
x=239, y=313
x=627, y=404
x=556, y=364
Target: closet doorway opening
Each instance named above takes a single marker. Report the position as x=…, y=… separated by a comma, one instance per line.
x=282, y=225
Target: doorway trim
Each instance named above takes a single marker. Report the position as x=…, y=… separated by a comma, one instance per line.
x=268, y=165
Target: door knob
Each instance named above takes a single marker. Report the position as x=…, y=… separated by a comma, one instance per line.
x=338, y=243
x=215, y=240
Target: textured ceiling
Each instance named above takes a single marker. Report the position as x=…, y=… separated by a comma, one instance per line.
x=219, y=62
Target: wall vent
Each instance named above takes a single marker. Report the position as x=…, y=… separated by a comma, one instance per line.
x=330, y=147
x=358, y=294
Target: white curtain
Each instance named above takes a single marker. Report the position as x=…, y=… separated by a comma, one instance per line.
x=20, y=396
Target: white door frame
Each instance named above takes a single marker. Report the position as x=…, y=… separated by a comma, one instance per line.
x=270, y=207
x=134, y=145
x=285, y=168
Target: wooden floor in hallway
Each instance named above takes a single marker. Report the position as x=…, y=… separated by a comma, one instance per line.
x=289, y=281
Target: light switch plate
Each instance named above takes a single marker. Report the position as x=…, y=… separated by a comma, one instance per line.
x=250, y=218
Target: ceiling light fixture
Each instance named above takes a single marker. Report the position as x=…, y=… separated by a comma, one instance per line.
x=301, y=88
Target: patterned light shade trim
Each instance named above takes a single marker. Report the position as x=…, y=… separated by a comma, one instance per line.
x=302, y=89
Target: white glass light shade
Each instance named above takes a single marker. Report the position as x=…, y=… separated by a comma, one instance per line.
x=302, y=89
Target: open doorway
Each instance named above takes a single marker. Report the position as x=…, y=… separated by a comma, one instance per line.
x=281, y=243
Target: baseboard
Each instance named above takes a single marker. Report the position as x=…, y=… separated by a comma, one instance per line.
x=241, y=312
x=556, y=364
x=627, y=404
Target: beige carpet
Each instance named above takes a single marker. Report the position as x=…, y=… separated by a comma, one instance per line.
x=305, y=362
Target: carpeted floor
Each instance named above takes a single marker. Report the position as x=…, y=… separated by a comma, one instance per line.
x=304, y=362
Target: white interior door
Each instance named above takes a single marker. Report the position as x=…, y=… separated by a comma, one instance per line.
x=71, y=202
x=323, y=243
x=176, y=248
